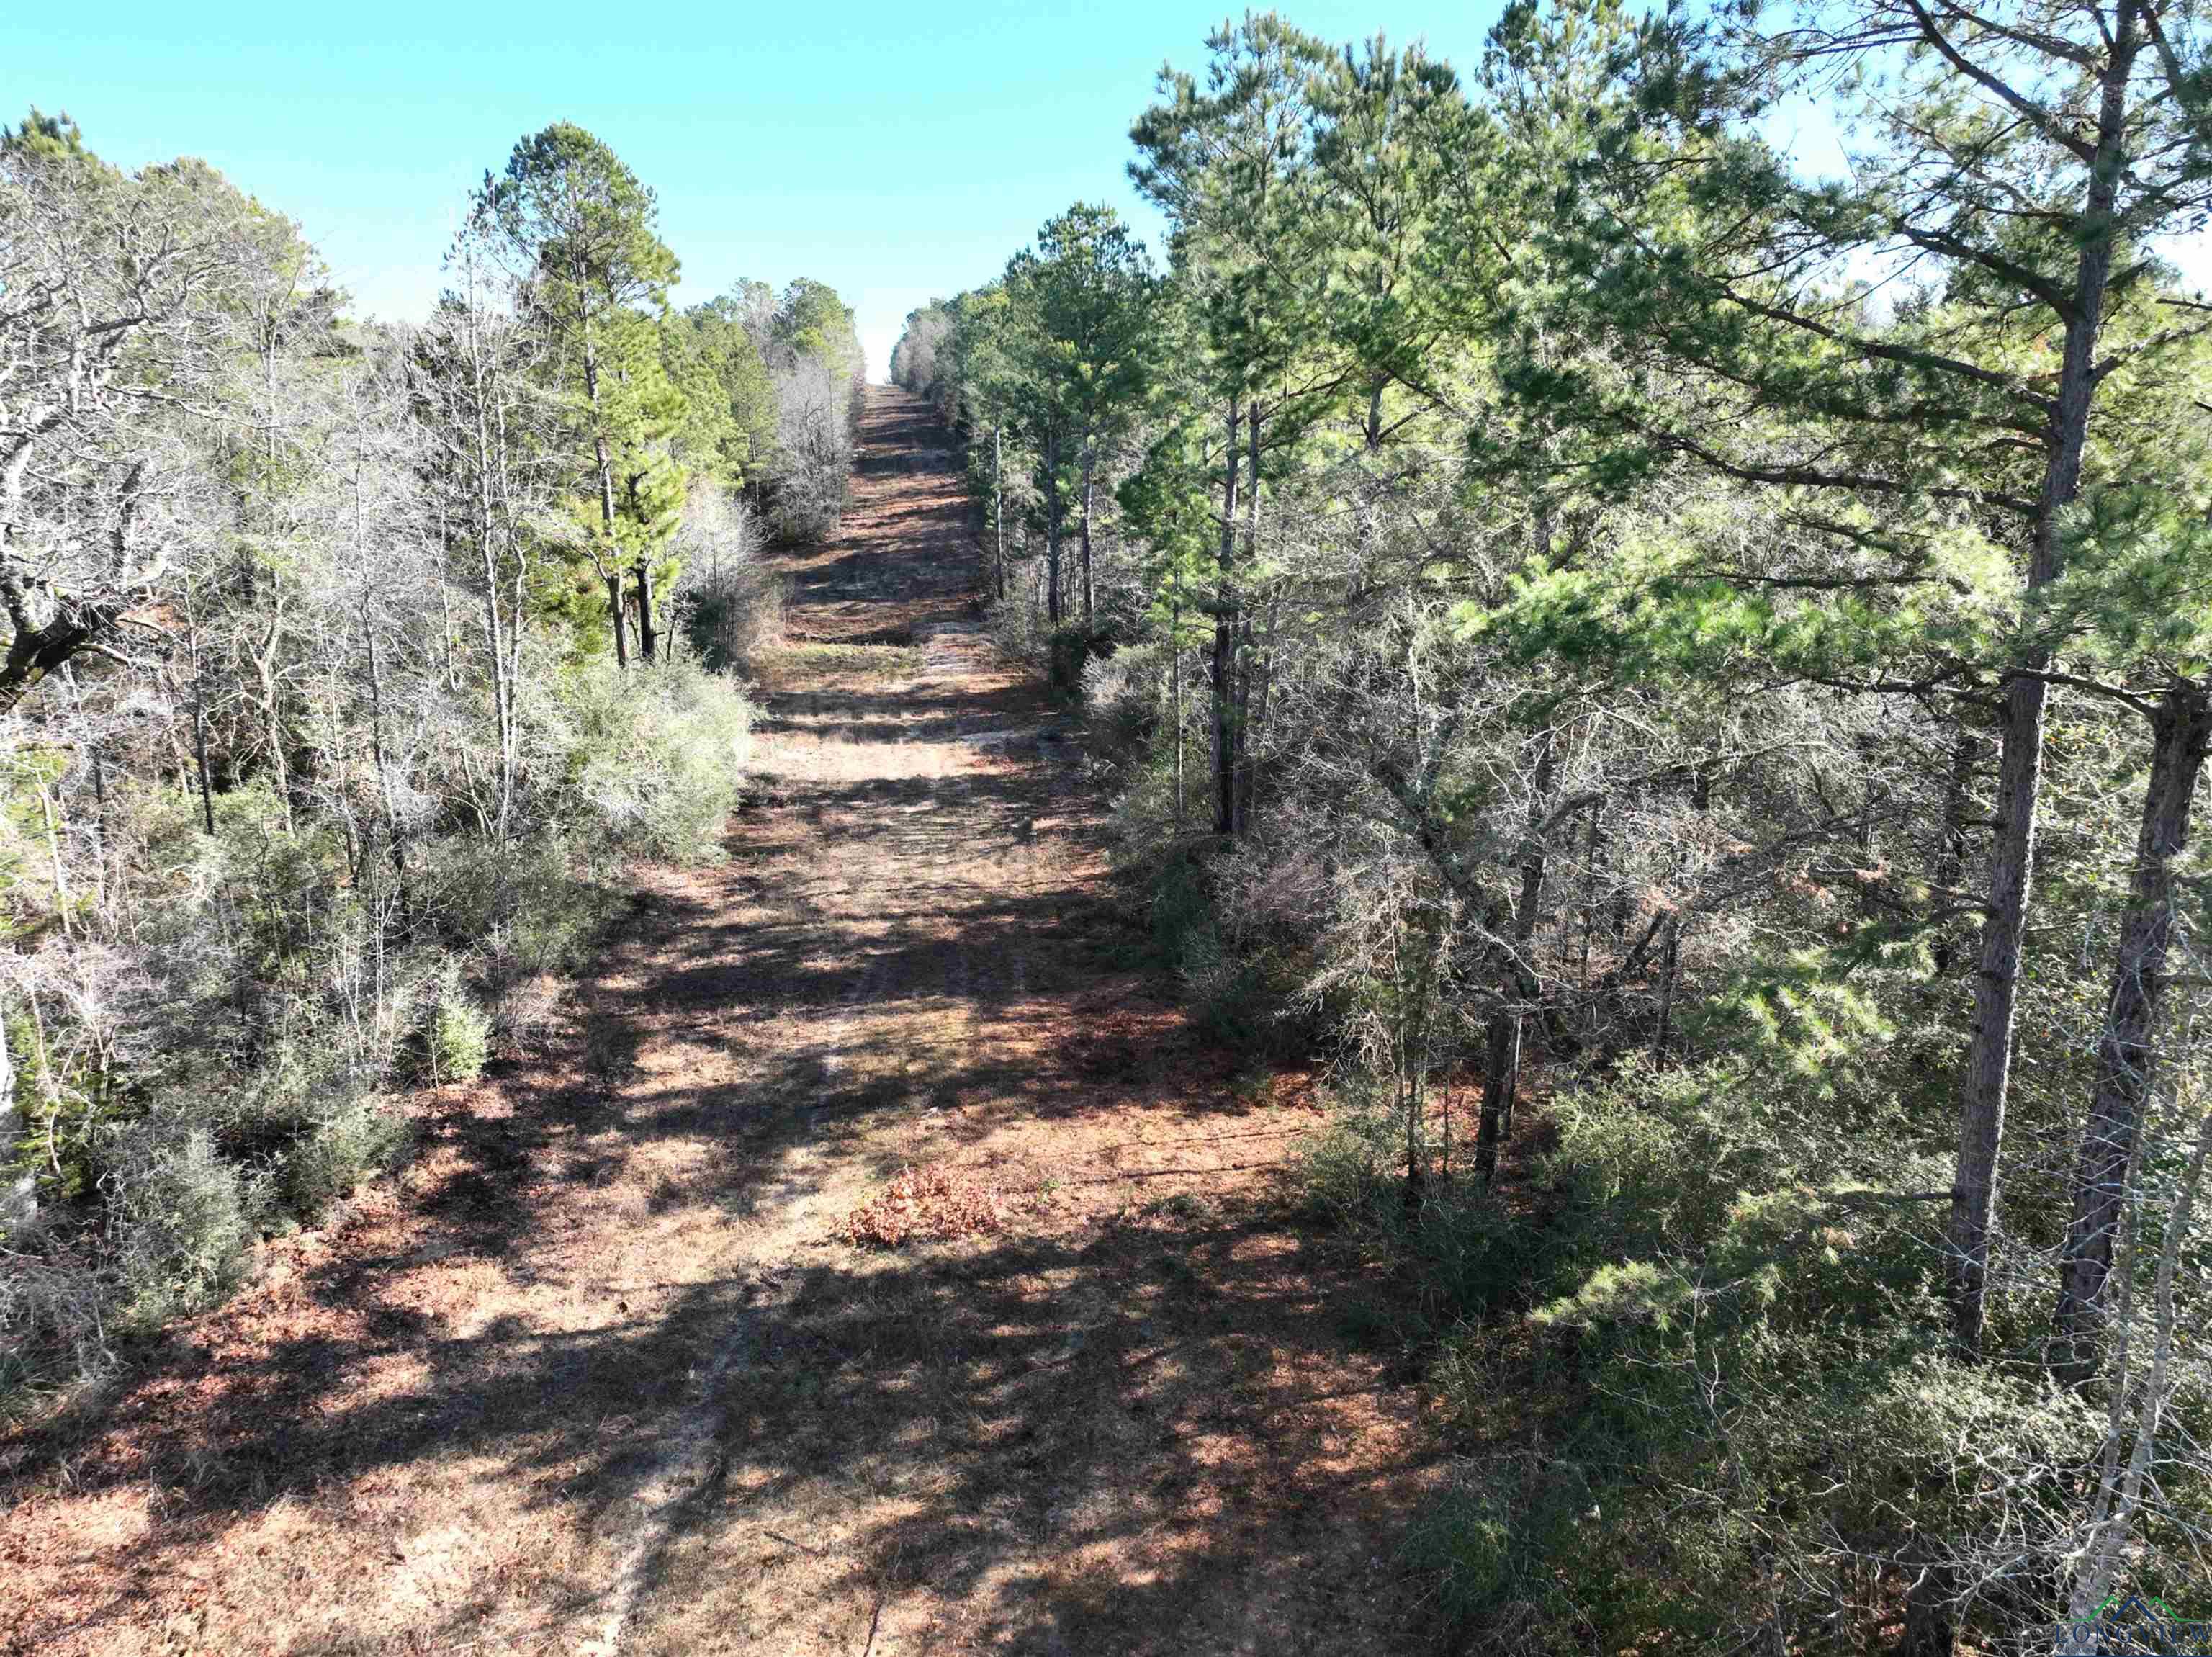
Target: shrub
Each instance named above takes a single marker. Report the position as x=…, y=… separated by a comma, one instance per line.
x=305, y=1118
x=1491, y=1541
x=652, y=760
x=342, y=1146
x=734, y=612
x=1068, y=651
x=182, y=1219
x=1344, y=1171
x=1240, y=986
x=459, y=1036
x=1720, y=1329
x=54, y=1313
x=1661, y=1162
x=815, y=437
x=520, y=910
x=1122, y=696
x=1228, y=994
x=1462, y=1250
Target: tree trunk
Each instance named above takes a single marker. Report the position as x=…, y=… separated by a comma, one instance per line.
x=64, y=900
x=446, y=632
x=1950, y=871
x=199, y=713
x=617, y=615
x=648, y=638
x=1224, y=644
x=999, y=507
x=1052, y=511
x=1174, y=701
x=1501, y=1061
x=100, y=835
x=1247, y=663
x=2181, y=729
x=1930, y=1628
x=488, y=556
x=2115, y=1506
x=606, y=471
x=1090, y=465
x=393, y=833
x=517, y=610
x=1988, y=1061
x=1589, y=886
x=264, y=664
x=19, y=1199
x=1258, y=680
x=1670, y=954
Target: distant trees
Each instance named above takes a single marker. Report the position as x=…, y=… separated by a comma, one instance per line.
x=1230, y=165
x=1077, y=325
x=715, y=357
x=817, y=366
x=915, y=360
x=580, y=232
x=1053, y=362
x=1728, y=650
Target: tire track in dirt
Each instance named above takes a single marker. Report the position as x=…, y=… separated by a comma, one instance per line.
x=687, y=1468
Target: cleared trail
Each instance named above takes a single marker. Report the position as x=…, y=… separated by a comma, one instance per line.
x=601, y=1371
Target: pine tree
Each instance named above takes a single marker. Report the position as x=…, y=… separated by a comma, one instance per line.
x=2020, y=164
x=1079, y=310
x=579, y=229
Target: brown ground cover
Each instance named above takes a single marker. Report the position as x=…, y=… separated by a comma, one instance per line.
x=605, y=1368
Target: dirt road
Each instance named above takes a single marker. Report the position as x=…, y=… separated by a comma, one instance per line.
x=602, y=1371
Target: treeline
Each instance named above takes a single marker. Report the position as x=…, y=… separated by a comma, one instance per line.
x=1725, y=662
x=347, y=663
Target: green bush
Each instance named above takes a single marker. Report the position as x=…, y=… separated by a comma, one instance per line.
x=734, y=614
x=457, y=1038
x=1068, y=650
x=460, y=1036
x=60, y=1106
x=339, y=1150
x=1658, y=1163
x=1494, y=1541
x=1123, y=697
x=1462, y=1250
x=651, y=761
x=1730, y=1350
x=519, y=909
x=1228, y=994
x=183, y=1221
x=1350, y=1174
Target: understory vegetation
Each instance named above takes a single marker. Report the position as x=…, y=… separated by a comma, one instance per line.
x=1688, y=683
x=349, y=664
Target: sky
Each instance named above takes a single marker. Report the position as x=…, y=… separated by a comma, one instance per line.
x=897, y=152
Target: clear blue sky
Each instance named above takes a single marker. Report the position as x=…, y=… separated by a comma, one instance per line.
x=894, y=151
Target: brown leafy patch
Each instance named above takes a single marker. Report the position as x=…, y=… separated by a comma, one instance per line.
x=927, y=1202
